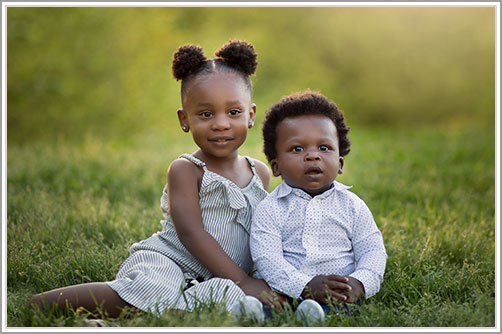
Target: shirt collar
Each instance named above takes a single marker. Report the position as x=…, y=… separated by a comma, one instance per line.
x=284, y=190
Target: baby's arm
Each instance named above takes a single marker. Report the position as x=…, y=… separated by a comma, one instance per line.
x=184, y=208
x=369, y=252
x=266, y=249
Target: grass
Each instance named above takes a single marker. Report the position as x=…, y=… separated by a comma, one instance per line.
x=73, y=210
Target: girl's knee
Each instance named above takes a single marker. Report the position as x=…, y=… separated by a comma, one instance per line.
x=35, y=300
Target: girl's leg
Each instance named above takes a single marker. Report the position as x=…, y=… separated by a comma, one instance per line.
x=150, y=281
x=214, y=290
x=89, y=296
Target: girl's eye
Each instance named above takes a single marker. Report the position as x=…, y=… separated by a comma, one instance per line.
x=234, y=112
x=205, y=114
x=297, y=149
x=323, y=148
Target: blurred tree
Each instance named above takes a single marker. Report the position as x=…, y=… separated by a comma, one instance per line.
x=105, y=71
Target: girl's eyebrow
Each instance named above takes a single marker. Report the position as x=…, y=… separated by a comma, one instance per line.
x=209, y=104
x=234, y=102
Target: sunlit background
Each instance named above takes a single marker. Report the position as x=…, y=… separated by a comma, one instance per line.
x=92, y=129
x=105, y=72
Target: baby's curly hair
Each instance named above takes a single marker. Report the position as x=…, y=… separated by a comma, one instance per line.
x=235, y=56
x=300, y=104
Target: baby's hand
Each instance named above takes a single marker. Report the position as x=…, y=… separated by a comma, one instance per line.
x=323, y=288
x=356, y=292
x=260, y=289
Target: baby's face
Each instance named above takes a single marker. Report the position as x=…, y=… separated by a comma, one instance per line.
x=307, y=153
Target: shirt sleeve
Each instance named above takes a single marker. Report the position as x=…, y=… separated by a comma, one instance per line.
x=266, y=250
x=369, y=251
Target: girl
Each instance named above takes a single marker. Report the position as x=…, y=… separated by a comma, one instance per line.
x=202, y=253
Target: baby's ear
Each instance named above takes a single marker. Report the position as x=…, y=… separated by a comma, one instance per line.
x=340, y=169
x=275, y=168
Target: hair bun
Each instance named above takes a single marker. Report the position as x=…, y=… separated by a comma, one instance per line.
x=239, y=54
x=187, y=60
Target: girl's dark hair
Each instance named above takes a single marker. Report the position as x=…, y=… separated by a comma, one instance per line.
x=235, y=56
x=300, y=104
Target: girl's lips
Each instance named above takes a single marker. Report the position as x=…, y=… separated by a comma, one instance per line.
x=220, y=139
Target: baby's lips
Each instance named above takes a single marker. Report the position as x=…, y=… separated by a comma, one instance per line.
x=313, y=170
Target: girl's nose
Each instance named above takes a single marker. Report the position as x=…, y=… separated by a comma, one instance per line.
x=221, y=122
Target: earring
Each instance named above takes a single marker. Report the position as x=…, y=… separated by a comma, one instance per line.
x=250, y=125
x=185, y=128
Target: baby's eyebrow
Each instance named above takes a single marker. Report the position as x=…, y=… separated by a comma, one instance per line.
x=204, y=104
x=292, y=139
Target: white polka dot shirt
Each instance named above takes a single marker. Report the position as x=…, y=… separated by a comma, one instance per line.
x=295, y=237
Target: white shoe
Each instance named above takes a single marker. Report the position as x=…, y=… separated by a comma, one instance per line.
x=95, y=323
x=310, y=312
x=249, y=307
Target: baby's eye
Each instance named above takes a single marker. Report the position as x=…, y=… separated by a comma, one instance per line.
x=205, y=114
x=234, y=112
x=297, y=149
x=323, y=148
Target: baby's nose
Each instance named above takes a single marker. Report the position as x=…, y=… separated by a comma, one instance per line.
x=312, y=156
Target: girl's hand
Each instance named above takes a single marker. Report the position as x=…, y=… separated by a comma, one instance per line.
x=259, y=288
x=323, y=288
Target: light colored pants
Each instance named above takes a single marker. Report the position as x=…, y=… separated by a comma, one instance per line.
x=154, y=283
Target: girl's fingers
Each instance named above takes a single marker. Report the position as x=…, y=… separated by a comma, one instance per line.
x=271, y=299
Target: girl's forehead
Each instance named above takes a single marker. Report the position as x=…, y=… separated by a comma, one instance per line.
x=217, y=79
x=217, y=85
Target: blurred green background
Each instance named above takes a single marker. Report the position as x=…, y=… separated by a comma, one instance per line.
x=105, y=72
x=92, y=128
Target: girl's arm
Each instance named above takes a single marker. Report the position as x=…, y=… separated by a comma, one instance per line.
x=183, y=190
x=263, y=173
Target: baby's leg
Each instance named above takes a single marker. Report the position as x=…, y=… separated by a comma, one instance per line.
x=89, y=296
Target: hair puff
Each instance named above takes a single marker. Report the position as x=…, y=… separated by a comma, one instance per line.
x=239, y=54
x=187, y=60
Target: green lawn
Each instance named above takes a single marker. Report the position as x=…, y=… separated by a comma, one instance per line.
x=73, y=210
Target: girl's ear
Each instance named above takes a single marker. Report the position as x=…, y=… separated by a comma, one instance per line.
x=183, y=120
x=275, y=168
x=340, y=168
x=252, y=115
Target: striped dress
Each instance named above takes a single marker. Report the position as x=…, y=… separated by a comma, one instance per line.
x=160, y=272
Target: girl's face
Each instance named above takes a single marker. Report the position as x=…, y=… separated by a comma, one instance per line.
x=218, y=111
x=308, y=156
